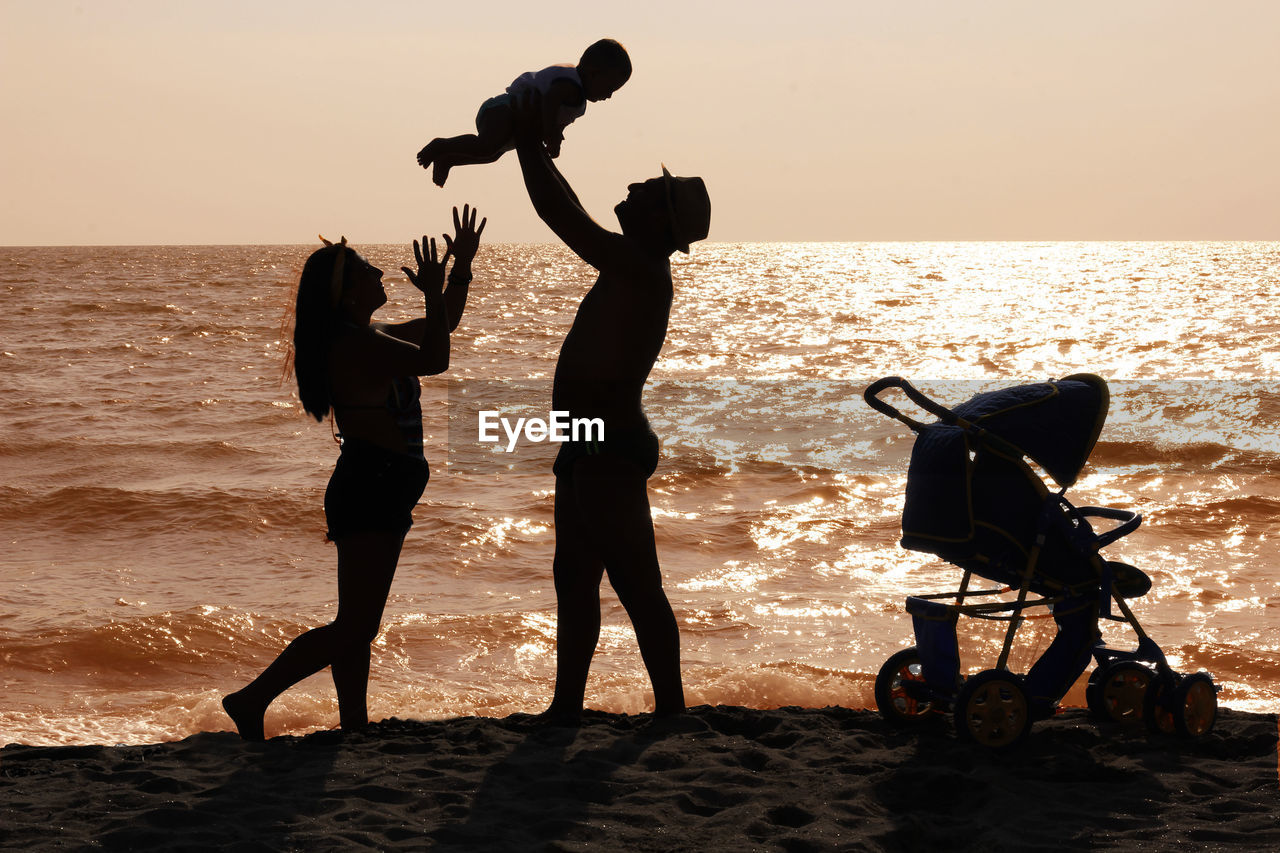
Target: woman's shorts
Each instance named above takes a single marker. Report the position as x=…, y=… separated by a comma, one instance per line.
x=373, y=489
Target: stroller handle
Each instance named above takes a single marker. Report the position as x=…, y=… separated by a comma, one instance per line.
x=873, y=392
x=1129, y=522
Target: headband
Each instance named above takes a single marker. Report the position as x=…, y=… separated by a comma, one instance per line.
x=335, y=285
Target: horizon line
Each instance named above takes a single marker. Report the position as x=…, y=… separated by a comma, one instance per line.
x=553, y=242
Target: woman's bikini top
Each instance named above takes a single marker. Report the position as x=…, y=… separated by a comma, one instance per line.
x=404, y=405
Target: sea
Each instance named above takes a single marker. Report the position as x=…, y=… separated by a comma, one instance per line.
x=161, y=496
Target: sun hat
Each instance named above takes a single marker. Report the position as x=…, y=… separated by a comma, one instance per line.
x=689, y=207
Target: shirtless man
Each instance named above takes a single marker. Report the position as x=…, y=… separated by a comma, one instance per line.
x=602, y=513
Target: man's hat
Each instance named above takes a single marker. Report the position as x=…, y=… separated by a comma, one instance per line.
x=689, y=207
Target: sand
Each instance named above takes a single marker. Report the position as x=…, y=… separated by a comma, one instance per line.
x=722, y=778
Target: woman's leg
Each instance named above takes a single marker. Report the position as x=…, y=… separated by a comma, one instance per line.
x=366, y=566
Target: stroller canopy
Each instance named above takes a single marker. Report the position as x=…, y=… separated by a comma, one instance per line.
x=971, y=498
x=1055, y=424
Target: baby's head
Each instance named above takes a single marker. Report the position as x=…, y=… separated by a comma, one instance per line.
x=603, y=68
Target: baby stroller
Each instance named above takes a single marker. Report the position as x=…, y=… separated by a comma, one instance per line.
x=973, y=499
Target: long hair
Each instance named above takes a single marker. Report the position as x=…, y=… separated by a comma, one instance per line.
x=315, y=325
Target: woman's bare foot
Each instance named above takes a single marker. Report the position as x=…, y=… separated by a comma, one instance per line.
x=246, y=716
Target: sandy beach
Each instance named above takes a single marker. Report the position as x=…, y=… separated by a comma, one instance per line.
x=722, y=778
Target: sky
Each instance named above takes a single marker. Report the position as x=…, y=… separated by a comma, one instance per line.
x=270, y=121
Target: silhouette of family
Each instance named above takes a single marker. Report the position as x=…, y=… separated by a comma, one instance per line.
x=366, y=373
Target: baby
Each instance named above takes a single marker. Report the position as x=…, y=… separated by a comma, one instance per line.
x=564, y=89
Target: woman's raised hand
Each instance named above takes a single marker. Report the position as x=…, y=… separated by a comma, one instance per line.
x=466, y=239
x=430, y=275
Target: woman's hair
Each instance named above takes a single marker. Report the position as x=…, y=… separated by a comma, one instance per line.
x=315, y=318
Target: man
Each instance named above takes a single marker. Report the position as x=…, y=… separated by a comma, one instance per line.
x=602, y=513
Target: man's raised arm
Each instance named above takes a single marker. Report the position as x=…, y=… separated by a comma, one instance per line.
x=552, y=197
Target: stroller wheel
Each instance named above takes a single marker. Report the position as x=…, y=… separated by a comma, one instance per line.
x=893, y=700
x=992, y=709
x=1185, y=706
x=1157, y=707
x=1117, y=691
x=1196, y=700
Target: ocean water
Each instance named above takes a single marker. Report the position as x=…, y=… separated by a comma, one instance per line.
x=160, y=504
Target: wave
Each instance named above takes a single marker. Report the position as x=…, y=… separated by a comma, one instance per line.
x=132, y=513
x=1216, y=518
x=1195, y=456
x=146, y=646
x=73, y=449
x=159, y=676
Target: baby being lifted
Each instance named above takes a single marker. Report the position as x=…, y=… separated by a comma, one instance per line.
x=564, y=89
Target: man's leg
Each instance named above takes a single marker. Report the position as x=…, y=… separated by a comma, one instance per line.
x=612, y=505
x=577, y=578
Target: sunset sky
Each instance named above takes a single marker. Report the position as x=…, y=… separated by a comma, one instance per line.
x=246, y=121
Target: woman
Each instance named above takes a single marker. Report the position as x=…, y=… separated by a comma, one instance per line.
x=367, y=374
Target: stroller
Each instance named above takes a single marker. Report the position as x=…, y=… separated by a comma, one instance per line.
x=973, y=500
